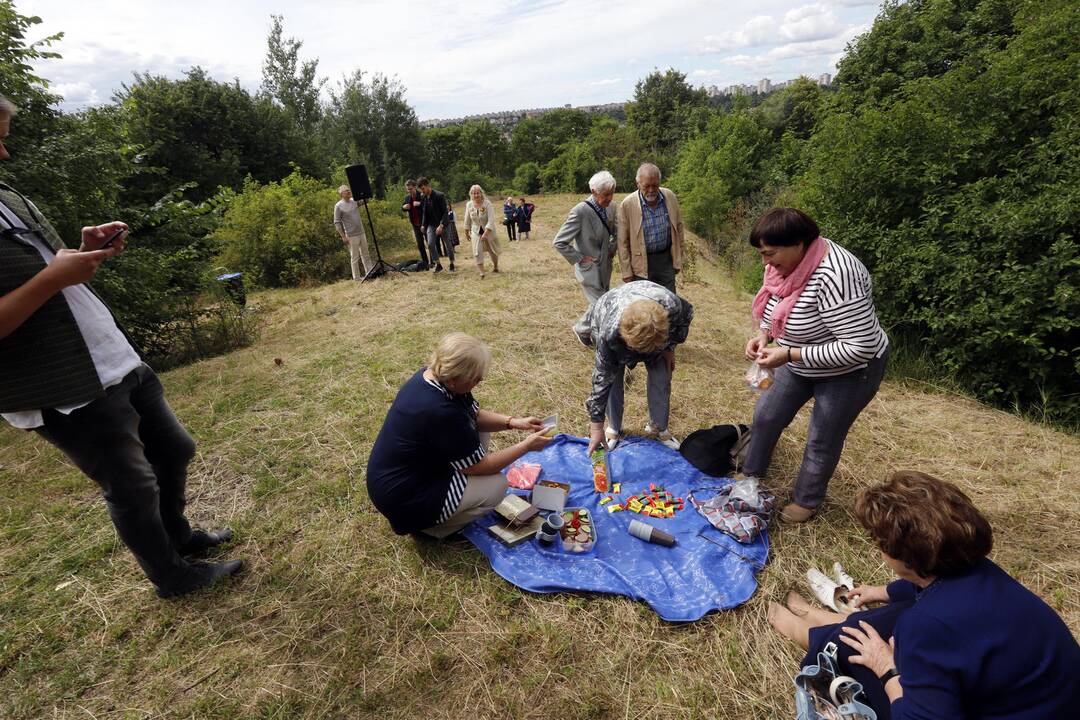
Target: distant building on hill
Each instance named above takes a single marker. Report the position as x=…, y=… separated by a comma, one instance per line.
x=824, y=79
x=764, y=86
x=507, y=120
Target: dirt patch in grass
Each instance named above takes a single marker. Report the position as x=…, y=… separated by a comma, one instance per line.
x=337, y=617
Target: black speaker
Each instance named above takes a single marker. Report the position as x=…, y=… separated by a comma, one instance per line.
x=358, y=182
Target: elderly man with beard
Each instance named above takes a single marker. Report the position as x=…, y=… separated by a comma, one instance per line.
x=650, y=231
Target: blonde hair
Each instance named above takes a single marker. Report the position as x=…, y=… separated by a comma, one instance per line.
x=459, y=357
x=644, y=326
x=483, y=195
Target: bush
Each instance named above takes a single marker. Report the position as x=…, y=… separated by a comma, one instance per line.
x=962, y=196
x=282, y=233
x=164, y=292
x=527, y=178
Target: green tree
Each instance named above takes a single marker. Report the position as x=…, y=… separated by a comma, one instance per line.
x=665, y=110
x=538, y=139
x=197, y=130
x=527, y=178
x=482, y=144
x=372, y=123
x=289, y=80
x=961, y=193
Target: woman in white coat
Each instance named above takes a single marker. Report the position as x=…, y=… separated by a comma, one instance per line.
x=480, y=228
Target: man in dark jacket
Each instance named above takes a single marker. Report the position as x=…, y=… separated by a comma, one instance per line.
x=433, y=211
x=411, y=205
x=68, y=372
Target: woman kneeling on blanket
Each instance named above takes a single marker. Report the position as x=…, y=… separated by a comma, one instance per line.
x=430, y=470
x=958, y=637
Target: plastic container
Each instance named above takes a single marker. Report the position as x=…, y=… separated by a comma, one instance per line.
x=579, y=530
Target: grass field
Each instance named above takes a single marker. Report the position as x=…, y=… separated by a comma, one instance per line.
x=337, y=617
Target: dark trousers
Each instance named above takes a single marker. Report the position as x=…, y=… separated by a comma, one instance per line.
x=421, y=243
x=511, y=230
x=134, y=448
x=662, y=269
x=837, y=402
x=436, y=247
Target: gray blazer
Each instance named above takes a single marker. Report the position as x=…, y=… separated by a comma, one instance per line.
x=582, y=234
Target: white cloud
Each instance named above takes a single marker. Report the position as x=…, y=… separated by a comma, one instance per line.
x=470, y=57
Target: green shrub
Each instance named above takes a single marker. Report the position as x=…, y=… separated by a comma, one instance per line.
x=282, y=233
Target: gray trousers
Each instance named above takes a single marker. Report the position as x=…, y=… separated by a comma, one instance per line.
x=837, y=402
x=662, y=269
x=433, y=245
x=657, y=390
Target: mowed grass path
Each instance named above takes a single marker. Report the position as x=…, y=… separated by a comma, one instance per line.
x=337, y=617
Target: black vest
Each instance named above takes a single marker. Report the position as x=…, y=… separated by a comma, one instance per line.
x=44, y=363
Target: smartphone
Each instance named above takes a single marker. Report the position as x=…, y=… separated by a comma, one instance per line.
x=113, y=238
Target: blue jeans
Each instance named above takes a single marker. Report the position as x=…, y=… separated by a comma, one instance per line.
x=130, y=444
x=837, y=402
x=433, y=245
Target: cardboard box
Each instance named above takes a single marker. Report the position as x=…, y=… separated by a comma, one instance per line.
x=550, y=495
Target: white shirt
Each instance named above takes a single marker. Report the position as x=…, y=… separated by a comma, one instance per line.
x=111, y=352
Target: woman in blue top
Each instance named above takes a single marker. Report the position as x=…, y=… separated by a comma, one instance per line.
x=958, y=637
x=430, y=470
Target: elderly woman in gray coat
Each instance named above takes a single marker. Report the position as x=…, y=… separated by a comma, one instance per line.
x=639, y=322
x=587, y=241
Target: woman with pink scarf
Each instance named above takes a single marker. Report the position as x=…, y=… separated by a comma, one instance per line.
x=816, y=305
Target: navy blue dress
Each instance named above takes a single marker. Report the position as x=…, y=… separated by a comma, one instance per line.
x=415, y=474
x=973, y=645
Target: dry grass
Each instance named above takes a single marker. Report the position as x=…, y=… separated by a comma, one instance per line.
x=337, y=617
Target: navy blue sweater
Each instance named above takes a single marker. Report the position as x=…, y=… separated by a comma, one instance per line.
x=981, y=645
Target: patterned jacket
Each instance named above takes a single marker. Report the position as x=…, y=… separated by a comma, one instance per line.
x=612, y=352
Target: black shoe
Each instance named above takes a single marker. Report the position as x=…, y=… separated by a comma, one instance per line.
x=451, y=267
x=438, y=268
x=203, y=540
x=203, y=574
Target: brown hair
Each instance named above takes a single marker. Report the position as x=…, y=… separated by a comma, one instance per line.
x=423, y=182
x=643, y=326
x=784, y=227
x=929, y=524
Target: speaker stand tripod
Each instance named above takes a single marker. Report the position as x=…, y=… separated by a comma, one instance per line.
x=381, y=267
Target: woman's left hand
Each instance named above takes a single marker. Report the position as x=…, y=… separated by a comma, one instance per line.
x=772, y=357
x=874, y=653
x=532, y=424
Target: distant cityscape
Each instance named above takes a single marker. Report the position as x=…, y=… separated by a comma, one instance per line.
x=764, y=87
x=506, y=120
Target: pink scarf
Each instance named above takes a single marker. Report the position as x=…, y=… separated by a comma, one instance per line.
x=789, y=288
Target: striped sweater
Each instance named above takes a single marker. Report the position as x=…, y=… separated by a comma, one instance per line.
x=833, y=321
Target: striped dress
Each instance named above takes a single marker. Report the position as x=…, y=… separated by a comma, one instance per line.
x=833, y=321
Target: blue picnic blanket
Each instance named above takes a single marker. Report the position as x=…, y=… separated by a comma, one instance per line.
x=707, y=570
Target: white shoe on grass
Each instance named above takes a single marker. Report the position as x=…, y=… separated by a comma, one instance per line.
x=664, y=436
x=612, y=436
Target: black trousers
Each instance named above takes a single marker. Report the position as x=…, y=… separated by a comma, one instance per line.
x=421, y=243
x=134, y=448
x=511, y=230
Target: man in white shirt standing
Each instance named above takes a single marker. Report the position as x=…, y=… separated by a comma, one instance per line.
x=351, y=229
x=68, y=373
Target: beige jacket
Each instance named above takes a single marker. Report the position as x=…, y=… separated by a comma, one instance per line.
x=632, y=258
x=477, y=219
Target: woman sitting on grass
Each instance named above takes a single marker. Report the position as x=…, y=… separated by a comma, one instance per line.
x=430, y=470
x=958, y=637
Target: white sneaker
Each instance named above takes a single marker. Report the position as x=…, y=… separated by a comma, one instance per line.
x=664, y=436
x=842, y=577
x=612, y=436
x=828, y=592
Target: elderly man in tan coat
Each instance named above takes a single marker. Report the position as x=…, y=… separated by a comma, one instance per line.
x=650, y=231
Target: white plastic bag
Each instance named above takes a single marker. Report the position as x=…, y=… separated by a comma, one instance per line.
x=759, y=378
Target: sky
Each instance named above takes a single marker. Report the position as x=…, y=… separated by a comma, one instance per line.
x=454, y=58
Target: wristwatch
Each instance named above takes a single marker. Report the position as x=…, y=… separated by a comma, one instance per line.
x=888, y=675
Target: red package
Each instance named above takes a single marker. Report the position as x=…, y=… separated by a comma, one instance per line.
x=523, y=475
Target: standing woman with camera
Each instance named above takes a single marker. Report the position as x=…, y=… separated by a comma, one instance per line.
x=816, y=304
x=510, y=218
